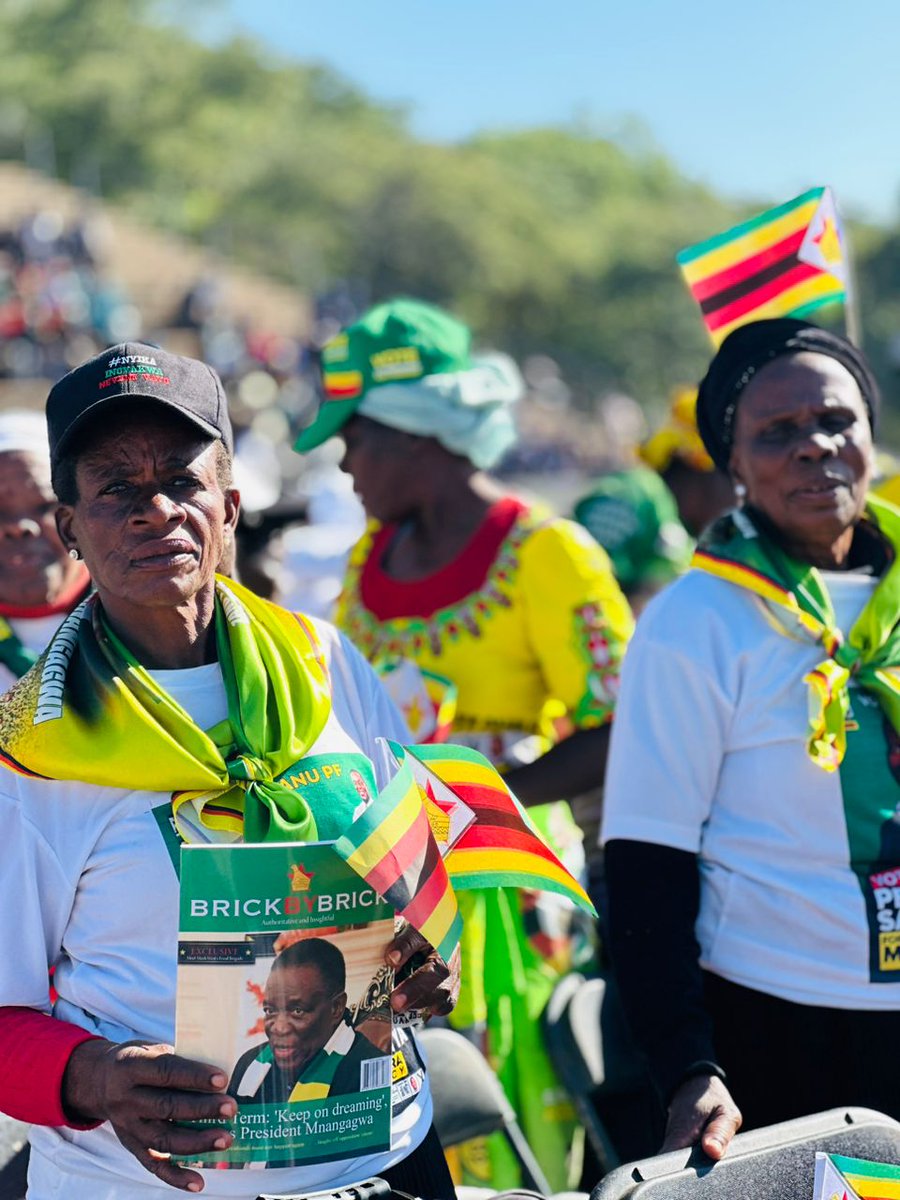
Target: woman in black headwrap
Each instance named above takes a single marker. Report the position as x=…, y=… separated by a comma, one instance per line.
x=752, y=793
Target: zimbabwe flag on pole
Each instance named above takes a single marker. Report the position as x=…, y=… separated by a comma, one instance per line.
x=501, y=848
x=788, y=261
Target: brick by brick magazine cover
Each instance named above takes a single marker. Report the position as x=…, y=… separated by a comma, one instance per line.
x=282, y=982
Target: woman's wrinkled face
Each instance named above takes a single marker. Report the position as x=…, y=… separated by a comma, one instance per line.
x=34, y=565
x=803, y=448
x=151, y=515
x=382, y=464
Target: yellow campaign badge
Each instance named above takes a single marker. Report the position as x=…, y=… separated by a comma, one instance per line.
x=889, y=951
x=336, y=349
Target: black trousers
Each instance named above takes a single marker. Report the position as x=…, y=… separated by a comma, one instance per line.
x=424, y=1173
x=787, y=1060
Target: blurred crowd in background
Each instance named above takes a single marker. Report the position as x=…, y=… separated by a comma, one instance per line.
x=58, y=305
x=61, y=302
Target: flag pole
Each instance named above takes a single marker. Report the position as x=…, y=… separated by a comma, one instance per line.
x=852, y=322
x=746, y=273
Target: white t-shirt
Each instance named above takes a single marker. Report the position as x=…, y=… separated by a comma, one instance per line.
x=87, y=883
x=709, y=755
x=34, y=633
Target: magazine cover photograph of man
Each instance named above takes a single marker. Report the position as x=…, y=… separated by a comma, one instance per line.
x=311, y=1049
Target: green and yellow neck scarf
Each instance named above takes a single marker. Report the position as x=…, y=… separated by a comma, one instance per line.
x=317, y=1078
x=89, y=711
x=797, y=603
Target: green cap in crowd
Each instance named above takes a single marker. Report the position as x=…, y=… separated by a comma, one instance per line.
x=394, y=343
x=633, y=515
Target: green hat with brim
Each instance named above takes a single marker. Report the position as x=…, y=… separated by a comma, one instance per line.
x=394, y=343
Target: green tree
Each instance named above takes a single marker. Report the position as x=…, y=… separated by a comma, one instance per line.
x=555, y=241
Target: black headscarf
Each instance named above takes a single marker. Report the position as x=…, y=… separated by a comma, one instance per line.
x=752, y=346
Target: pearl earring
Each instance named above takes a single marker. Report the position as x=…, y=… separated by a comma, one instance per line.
x=73, y=553
x=740, y=493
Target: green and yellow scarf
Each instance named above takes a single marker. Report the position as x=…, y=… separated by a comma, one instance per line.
x=89, y=711
x=316, y=1079
x=797, y=603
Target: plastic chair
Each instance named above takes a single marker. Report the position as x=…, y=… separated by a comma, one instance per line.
x=598, y=1063
x=773, y=1163
x=469, y=1101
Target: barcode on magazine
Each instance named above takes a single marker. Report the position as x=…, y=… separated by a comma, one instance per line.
x=376, y=1073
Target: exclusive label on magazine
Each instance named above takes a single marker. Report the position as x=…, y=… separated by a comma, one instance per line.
x=282, y=982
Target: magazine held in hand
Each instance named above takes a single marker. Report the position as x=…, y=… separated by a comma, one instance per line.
x=282, y=982
x=282, y=979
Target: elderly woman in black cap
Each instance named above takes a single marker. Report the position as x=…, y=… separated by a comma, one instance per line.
x=172, y=705
x=751, y=823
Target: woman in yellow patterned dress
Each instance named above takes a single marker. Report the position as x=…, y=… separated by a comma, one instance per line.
x=517, y=609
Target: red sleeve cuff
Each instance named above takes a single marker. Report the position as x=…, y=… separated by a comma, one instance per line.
x=34, y=1053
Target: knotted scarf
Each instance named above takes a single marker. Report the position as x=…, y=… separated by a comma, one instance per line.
x=798, y=605
x=89, y=711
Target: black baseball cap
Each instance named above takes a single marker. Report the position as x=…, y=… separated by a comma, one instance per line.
x=135, y=370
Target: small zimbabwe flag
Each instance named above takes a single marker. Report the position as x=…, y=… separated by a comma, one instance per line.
x=788, y=261
x=854, y=1179
x=390, y=844
x=501, y=848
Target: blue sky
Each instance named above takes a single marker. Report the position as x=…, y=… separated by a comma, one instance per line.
x=759, y=100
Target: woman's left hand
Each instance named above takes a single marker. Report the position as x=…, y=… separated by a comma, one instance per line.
x=432, y=988
x=702, y=1110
